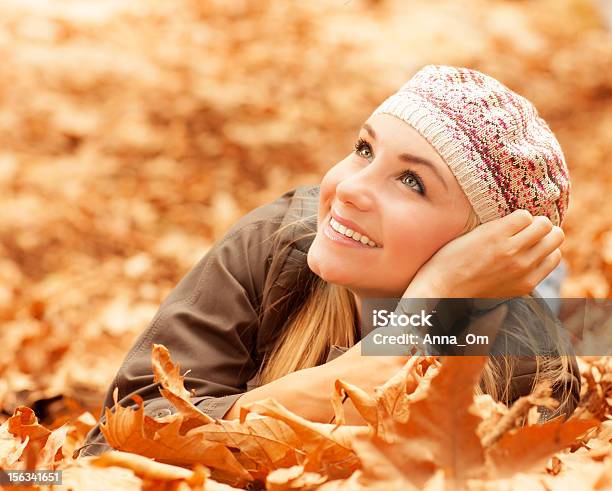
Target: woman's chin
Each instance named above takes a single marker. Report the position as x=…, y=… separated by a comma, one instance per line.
x=328, y=266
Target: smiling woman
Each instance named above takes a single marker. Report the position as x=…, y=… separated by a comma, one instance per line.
x=399, y=192
x=451, y=150
x=455, y=188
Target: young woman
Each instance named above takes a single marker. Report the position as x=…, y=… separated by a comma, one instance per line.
x=456, y=188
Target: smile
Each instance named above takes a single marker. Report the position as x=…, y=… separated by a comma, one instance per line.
x=345, y=236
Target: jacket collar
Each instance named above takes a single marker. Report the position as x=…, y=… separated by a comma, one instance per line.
x=304, y=207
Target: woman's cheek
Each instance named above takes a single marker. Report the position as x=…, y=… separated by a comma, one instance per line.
x=416, y=244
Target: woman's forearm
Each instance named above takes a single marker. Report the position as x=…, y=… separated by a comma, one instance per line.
x=305, y=392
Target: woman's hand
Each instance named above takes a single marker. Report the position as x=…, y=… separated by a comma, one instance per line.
x=502, y=258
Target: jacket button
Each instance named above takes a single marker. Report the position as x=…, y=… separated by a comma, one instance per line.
x=161, y=413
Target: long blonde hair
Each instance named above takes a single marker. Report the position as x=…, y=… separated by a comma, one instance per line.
x=327, y=317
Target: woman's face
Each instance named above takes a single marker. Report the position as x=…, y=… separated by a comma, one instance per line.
x=398, y=190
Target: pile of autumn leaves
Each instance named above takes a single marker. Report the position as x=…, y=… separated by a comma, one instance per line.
x=425, y=430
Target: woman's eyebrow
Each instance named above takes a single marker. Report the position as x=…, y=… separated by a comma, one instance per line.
x=407, y=157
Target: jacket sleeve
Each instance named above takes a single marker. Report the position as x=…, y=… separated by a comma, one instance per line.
x=209, y=324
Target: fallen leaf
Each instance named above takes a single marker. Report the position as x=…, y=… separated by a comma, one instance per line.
x=143, y=467
x=173, y=388
x=131, y=430
x=293, y=478
x=440, y=433
x=527, y=448
x=327, y=447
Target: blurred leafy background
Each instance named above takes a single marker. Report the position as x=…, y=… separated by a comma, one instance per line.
x=133, y=134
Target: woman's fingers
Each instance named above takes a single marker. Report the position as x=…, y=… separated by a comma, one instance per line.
x=516, y=221
x=531, y=234
x=543, y=269
x=545, y=246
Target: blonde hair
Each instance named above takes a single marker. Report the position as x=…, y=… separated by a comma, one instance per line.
x=327, y=317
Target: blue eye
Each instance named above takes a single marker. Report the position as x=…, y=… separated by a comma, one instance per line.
x=413, y=180
x=410, y=178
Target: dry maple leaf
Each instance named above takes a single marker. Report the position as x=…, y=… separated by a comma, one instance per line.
x=491, y=411
x=52, y=451
x=540, y=396
x=588, y=476
x=328, y=447
x=528, y=448
x=293, y=478
x=393, y=398
x=363, y=402
x=440, y=433
x=173, y=388
x=390, y=399
x=131, y=430
x=596, y=399
x=77, y=433
x=80, y=475
x=24, y=423
x=22, y=431
x=261, y=444
x=143, y=467
x=123, y=471
x=258, y=445
x=11, y=447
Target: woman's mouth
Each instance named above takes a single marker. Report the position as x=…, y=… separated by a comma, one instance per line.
x=341, y=235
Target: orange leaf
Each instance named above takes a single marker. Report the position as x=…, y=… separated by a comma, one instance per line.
x=167, y=373
x=131, y=430
x=24, y=423
x=11, y=447
x=363, y=402
x=143, y=467
x=265, y=443
x=293, y=478
x=523, y=449
x=328, y=448
x=394, y=397
x=440, y=433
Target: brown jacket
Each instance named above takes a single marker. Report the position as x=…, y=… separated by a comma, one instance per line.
x=210, y=324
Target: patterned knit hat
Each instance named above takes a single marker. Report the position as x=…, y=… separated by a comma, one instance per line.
x=503, y=154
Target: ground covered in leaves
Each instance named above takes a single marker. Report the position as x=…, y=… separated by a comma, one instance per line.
x=425, y=430
x=133, y=134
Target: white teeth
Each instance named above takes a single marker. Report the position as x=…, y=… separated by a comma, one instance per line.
x=356, y=236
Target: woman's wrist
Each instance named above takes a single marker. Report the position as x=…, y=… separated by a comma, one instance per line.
x=309, y=392
x=322, y=379
x=305, y=392
x=426, y=287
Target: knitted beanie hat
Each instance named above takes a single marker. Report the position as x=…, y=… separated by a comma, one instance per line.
x=503, y=154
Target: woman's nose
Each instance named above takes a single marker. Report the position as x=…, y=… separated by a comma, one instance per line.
x=357, y=190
